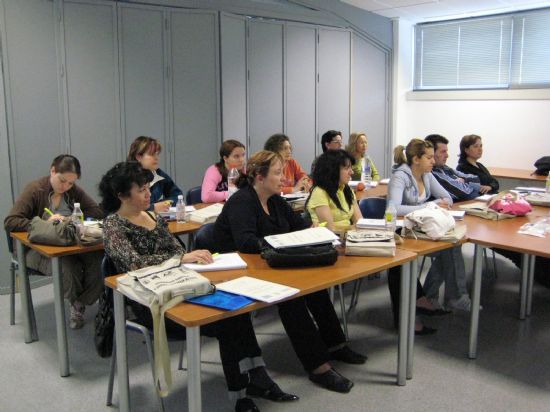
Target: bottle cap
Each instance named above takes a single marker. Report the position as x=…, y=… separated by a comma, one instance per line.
x=180, y=196
x=77, y=205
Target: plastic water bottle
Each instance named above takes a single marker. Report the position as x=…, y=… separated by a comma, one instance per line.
x=77, y=217
x=180, y=210
x=548, y=184
x=366, y=172
x=232, y=177
x=391, y=217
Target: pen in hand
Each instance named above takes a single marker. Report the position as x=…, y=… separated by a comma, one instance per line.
x=48, y=211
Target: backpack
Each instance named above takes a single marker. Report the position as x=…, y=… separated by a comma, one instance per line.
x=543, y=166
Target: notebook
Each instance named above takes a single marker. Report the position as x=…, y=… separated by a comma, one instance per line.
x=222, y=300
x=224, y=261
x=306, y=237
x=258, y=289
x=205, y=215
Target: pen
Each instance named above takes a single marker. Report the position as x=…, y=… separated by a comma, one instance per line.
x=322, y=224
x=215, y=255
x=48, y=211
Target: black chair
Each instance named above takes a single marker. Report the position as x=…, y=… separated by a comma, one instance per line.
x=204, y=238
x=373, y=207
x=108, y=269
x=193, y=195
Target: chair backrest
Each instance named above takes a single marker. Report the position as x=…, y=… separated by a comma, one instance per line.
x=193, y=195
x=204, y=238
x=108, y=267
x=10, y=243
x=373, y=207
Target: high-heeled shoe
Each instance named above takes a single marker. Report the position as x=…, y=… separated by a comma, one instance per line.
x=246, y=405
x=426, y=330
x=432, y=312
x=274, y=393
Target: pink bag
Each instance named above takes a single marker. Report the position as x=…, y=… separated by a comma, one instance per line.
x=510, y=203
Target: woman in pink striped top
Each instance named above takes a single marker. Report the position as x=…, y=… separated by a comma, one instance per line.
x=214, y=184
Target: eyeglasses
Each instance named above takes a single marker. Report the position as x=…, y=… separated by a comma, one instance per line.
x=336, y=141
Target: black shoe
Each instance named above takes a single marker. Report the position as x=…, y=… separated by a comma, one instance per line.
x=332, y=381
x=426, y=330
x=246, y=405
x=274, y=393
x=347, y=355
x=435, y=312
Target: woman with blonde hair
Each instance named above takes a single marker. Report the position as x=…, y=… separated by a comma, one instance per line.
x=411, y=187
x=357, y=147
x=311, y=323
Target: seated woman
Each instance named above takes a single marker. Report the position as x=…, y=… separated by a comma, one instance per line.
x=357, y=147
x=410, y=188
x=471, y=150
x=331, y=199
x=82, y=281
x=214, y=184
x=295, y=178
x=134, y=238
x=164, y=192
x=255, y=211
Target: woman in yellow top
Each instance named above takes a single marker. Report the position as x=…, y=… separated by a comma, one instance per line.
x=357, y=147
x=331, y=200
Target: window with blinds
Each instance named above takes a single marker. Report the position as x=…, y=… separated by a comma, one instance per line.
x=504, y=51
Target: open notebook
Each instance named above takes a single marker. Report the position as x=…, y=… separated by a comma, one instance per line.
x=258, y=289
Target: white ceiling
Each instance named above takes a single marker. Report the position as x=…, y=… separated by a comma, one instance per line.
x=429, y=10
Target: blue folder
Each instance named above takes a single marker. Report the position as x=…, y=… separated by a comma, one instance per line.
x=222, y=300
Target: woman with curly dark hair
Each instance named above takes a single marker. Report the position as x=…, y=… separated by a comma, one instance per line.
x=331, y=199
x=134, y=238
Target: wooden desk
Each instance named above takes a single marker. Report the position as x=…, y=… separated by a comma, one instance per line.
x=519, y=174
x=421, y=248
x=503, y=234
x=54, y=253
x=308, y=280
x=29, y=323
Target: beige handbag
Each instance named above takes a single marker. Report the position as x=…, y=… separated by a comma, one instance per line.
x=370, y=243
x=481, y=209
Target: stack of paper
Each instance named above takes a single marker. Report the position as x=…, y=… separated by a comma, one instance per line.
x=457, y=214
x=371, y=224
x=225, y=261
x=484, y=198
x=261, y=290
x=530, y=189
x=208, y=214
x=306, y=237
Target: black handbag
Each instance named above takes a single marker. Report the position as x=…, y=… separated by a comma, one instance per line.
x=543, y=166
x=300, y=256
x=104, y=324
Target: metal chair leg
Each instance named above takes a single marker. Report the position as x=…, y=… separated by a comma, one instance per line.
x=182, y=353
x=12, y=293
x=343, y=310
x=355, y=294
x=112, y=370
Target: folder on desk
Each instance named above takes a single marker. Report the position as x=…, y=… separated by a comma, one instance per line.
x=222, y=300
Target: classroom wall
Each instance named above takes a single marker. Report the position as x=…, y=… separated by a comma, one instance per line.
x=513, y=123
x=87, y=76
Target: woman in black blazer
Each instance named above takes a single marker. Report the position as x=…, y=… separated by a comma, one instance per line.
x=471, y=150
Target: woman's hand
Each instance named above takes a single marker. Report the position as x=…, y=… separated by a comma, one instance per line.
x=483, y=189
x=444, y=204
x=304, y=184
x=163, y=206
x=197, y=256
x=56, y=217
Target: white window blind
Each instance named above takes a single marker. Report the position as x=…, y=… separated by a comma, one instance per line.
x=502, y=51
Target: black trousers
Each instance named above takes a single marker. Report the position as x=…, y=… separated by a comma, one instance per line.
x=394, y=285
x=542, y=265
x=312, y=338
x=235, y=335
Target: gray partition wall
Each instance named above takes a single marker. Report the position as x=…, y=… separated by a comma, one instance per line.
x=265, y=84
x=88, y=76
x=300, y=91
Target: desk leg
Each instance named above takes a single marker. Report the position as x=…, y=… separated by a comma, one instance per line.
x=523, y=286
x=60, y=323
x=194, y=369
x=476, y=295
x=26, y=302
x=121, y=354
x=412, y=317
x=530, y=280
x=403, y=325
